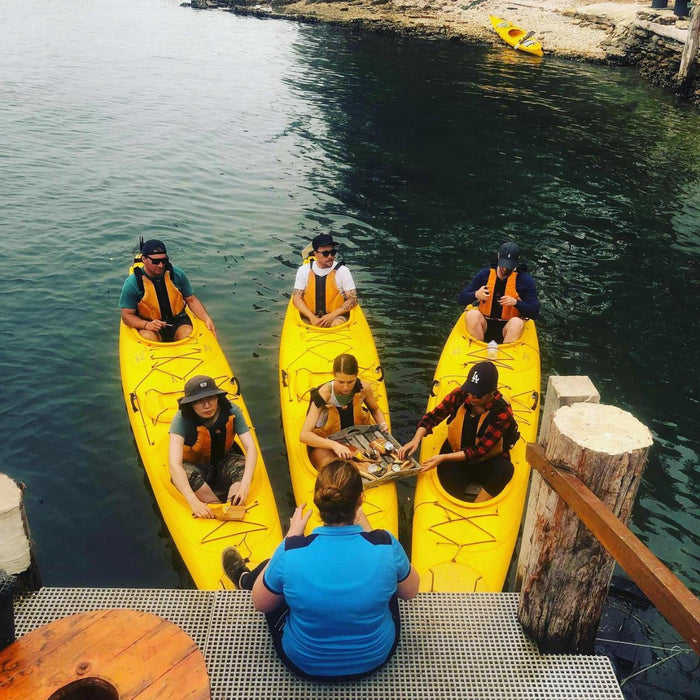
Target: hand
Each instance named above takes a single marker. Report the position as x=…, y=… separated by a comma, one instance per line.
x=155, y=325
x=238, y=493
x=431, y=463
x=200, y=510
x=298, y=521
x=482, y=294
x=408, y=449
x=210, y=325
x=507, y=301
x=313, y=320
x=342, y=451
x=325, y=321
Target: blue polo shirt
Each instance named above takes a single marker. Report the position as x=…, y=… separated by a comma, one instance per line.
x=338, y=582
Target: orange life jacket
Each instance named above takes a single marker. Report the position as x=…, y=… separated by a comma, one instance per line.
x=340, y=418
x=486, y=306
x=322, y=294
x=212, y=444
x=456, y=427
x=164, y=306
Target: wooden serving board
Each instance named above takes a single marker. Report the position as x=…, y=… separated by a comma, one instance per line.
x=376, y=468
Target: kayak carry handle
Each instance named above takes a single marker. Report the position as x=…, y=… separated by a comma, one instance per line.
x=535, y=399
x=134, y=407
x=380, y=370
x=436, y=382
x=237, y=385
x=285, y=377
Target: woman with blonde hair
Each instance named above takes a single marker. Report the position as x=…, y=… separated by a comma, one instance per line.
x=331, y=597
x=341, y=403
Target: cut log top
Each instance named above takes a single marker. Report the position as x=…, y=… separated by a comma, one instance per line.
x=603, y=429
x=10, y=495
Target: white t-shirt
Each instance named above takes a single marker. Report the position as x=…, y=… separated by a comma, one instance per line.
x=343, y=278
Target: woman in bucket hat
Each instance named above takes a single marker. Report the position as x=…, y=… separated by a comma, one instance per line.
x=205, y=463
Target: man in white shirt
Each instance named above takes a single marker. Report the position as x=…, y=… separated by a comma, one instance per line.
x=324, y=291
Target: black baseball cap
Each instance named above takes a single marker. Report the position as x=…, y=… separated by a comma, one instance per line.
x=153, y=246
x=321, y=240
x=508, y=256
x=482, y=379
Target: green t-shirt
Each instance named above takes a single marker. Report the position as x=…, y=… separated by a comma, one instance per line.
x=131, y=294
x=188, y=430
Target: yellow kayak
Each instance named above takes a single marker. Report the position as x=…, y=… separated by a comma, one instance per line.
x=306, y=361
x=153, y=378
x=466, y=547
x=516, y=37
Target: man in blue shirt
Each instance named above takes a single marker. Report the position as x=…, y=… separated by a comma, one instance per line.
x=506, y=294
x=154, y=298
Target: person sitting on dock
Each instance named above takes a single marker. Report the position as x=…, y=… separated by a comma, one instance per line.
x=154, y=297
x=336, y=405
x=204, y=464
x=481, y=431
x=324, y=291
x=506, y=293
x=330, y=598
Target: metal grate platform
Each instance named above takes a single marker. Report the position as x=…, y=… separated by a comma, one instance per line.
x=452, y=646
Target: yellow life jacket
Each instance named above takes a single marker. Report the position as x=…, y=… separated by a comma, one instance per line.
x=340, y=418
x=456, y=428
x=211, y=444
x=322, y=294
x=161, y=300
x=486, y=306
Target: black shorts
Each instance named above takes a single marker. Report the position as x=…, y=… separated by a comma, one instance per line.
x=167, y=334
x=492, y=475
x=494, y=330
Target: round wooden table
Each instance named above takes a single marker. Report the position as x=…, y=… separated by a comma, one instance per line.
x=104, y=654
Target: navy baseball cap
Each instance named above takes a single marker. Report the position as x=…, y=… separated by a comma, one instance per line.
x=482, y=379
x=321, y=240
x=153, y=246
x=508, y=256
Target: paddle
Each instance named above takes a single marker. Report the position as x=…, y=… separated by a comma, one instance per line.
x=525, y=38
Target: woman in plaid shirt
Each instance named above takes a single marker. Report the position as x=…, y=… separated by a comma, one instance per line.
x=481, y=430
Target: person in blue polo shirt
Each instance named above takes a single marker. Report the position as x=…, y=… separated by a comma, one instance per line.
x=331, y=597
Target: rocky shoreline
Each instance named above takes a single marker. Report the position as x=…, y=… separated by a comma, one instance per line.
x=616, y=33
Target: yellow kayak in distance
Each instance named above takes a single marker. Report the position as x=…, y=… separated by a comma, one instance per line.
x=306, y=361
x=460, y=546
x=516, y=37
x=153, y=378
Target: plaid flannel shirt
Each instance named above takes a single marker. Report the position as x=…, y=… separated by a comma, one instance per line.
x=498, y=422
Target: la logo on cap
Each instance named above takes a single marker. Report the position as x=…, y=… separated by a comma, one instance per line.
x=475, y=377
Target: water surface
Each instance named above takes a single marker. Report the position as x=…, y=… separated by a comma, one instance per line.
x=236, y=140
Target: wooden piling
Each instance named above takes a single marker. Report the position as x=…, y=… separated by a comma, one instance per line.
x=568, y=570
x=690, y=48
x=16, y=554
x=561, y=391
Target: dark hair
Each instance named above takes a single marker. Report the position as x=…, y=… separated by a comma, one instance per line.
x=188, y=413
x=345, y=363
x=337, y=492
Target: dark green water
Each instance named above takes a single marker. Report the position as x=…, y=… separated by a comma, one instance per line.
x=236, y=140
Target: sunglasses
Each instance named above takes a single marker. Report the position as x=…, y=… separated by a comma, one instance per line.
x=328, y=253
x=158, y=261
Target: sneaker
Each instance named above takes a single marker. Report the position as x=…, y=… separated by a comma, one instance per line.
x=234, y=565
